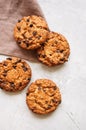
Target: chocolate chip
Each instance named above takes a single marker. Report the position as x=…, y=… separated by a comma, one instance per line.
x=28, y=20
x=23, y=35
x=5, y=64
x=50, y=54
x=59, y=101
x=34, y=33
x=12, y=84
x=18, y=61
x=38, y=55
x=54, y=88
x=49, y=106
x=19, y=28
x=1, y=88
x=4, y=74
x=40, y=27
x=19, y=21
x=47, y=40
x=19, y=42
x=42, y=45
x=29, y=78
x=14, y=66
x=26, y=43
x=5, y=71
x=27, y=94
x=30, y=38
x=56, y=42
x=39, y=37
x=62, y=59
x=39, y=88
x=46, y=102
x=20, y=84
x=31, y=25
x=24, y=68
x=36, y=101
x=9, y=58
x=61, y=51
x=54, y=101
x=43, y=56
x=44, y=90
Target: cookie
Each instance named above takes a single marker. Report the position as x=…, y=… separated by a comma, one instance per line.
x=15, y=74
x=43, y=96
x=42, y=57
x=55, y=50
x=31, y=32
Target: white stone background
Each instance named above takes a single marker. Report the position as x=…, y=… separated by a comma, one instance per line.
x=69, y=18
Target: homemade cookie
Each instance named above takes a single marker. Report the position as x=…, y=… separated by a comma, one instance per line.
x=15, y=74
x=43, y=96
x=55, y=50
x=31, y=32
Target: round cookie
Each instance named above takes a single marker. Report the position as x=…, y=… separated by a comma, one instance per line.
x=15, y=74
x=31, y=32
x=55, y=51
x=43, y=96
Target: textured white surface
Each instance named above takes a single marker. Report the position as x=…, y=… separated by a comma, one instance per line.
x=69, y=18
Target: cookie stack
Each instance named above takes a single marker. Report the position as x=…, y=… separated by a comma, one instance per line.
x=32, y=33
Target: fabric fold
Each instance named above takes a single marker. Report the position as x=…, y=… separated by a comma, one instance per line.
x=10, y=12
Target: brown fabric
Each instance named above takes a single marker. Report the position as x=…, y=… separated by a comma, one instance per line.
x=10, y=12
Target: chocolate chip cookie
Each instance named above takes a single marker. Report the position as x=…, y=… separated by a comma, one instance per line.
x=43, y=96
x=15, y=74
x=31, y=32
x=55, y=50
